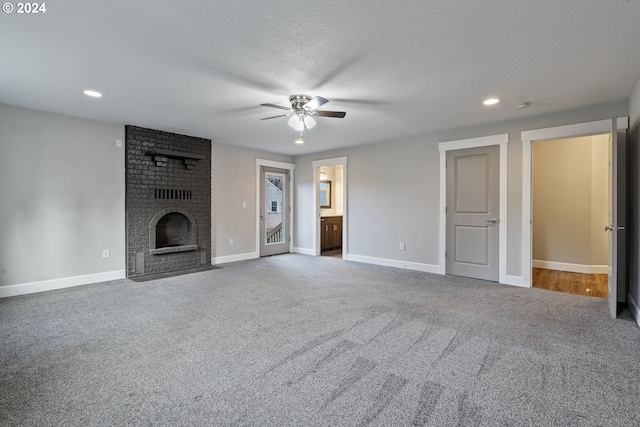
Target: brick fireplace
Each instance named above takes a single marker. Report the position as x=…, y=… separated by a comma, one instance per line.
x=168, y=201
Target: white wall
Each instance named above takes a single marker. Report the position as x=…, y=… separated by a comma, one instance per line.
x=234, y=183
x=379, y=203
x=393, y=190
x=62, y=193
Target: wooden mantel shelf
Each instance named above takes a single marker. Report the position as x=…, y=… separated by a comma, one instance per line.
x=177, y=154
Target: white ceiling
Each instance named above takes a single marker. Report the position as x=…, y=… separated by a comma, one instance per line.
x=399, y=69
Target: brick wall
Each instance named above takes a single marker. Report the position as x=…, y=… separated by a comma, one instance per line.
x=166, y=172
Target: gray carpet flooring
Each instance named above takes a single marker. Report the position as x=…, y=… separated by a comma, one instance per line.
x=294, y=340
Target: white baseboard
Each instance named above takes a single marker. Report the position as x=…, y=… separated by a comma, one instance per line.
x=573, y=268
x=234, y=258
x=515, y=281
x=634, y=309
x=304, y=251
x=427, y=268
x=64, y=282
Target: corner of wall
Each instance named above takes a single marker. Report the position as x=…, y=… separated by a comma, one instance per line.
x=633, y=308
x=634, y=105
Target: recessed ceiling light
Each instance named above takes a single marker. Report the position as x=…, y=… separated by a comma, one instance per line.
x=299, y=141
x=92, y=93
x=491, y=101
x=523, y=105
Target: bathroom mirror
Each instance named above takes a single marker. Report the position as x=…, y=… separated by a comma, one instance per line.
x=325, y=194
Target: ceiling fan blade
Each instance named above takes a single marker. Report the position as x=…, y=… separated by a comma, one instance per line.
x=273, y=117
x=276, y=106
x=338, y=114
x=315, y=102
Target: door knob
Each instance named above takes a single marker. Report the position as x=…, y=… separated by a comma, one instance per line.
x=613, y=228
x=492, y=221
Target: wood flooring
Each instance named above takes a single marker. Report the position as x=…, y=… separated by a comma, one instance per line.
x=336, y=253
x=592, y=285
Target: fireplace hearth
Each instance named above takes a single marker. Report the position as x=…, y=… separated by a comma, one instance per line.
x=168, y=202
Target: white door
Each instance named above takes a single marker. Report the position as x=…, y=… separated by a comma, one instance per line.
x=617, y=219
x=473, y=207
x=274, y=211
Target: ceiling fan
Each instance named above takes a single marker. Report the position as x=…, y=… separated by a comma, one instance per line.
x=302, y=110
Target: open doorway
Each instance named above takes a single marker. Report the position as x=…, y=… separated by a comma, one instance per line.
x=330, y=207
x=617, y=172
x=331, y=210
x=570, y=198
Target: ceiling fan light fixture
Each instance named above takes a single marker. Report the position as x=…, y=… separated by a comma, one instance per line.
x=296, y=123
x=303, y=110
x=491, y=101
x=309, y=122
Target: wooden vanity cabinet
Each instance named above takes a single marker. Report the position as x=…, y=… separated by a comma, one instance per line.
x=330, y=233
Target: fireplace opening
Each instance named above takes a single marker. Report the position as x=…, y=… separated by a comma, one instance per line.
x=172, y=230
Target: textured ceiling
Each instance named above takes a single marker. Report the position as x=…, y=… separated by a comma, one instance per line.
x=399, y=69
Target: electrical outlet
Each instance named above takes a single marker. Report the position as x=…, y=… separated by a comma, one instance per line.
x=105, y=253
x=118, y=143
x=401, y=246
x=244, y=204
x=230, y=242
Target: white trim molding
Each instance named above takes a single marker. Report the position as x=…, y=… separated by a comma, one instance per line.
x=528, y=137
x=61, y=283
x=597, y=127
x=514, y=281
x=408, y=265
x=278, y=165
x=304, y=251
x=573, y=268
x=316, y=165
x=484, y=141
x=234, y=258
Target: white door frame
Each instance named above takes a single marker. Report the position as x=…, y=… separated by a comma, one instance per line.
x=278, y=165
x=484, y=141
x=317, y=164
x=528, y=137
